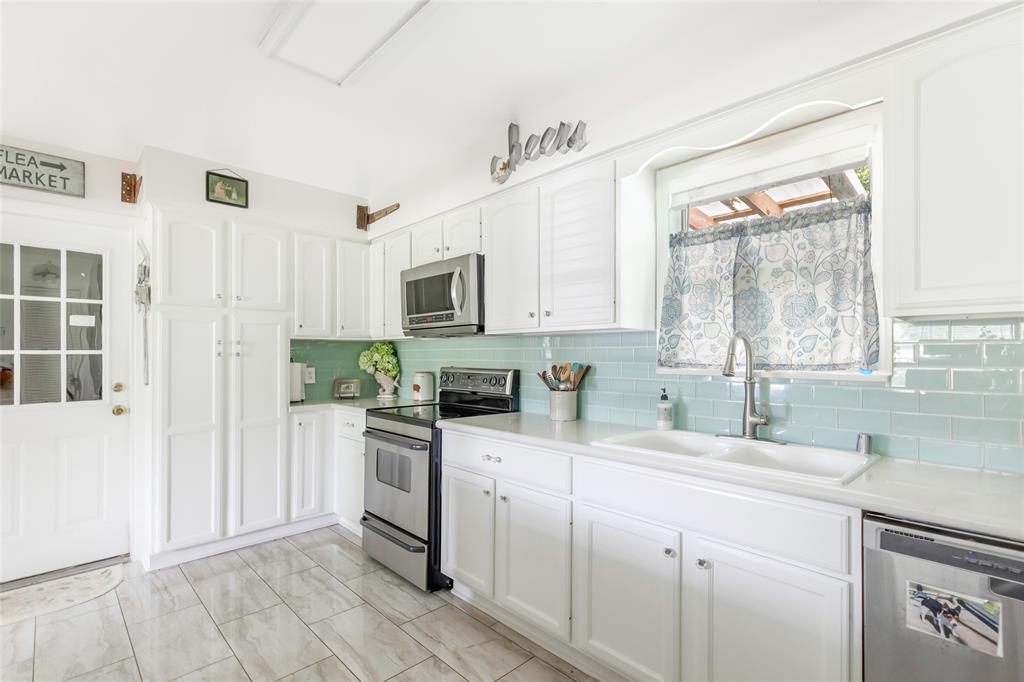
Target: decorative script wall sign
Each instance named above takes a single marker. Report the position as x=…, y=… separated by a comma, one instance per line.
x=562, y=140
x=46, y=172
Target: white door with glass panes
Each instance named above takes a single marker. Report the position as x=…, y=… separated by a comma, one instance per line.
x=65, y=325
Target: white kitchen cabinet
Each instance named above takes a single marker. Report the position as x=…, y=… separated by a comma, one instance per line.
x=747, y=617
x=397, y=254
x=577, y=248
x=426, y=242
x=467, y=529
x=950, y=132
x=314, y=282
x=191, y=348
x=532, y=556
x=461, y=230
x=349, y=456
x=353, y=271
x=375, y=296
x=258, y=459
x=625, y=586
x=511, y=284
x=307, y=464
x=189, y=262
x=259, y=267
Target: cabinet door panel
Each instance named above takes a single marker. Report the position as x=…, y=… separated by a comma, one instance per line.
x=376, y=293
x=426, y=242
x=353, y=275
x=625, y=584
x=314, y=281
x=190, y=261
x=259, y=265
x=307, y=451
x=577, y=247
x=532, y=556
x=467, y=529
x=396, y=259
x=462, y=232
x=350, y=463
x=510, y=271
x=789, y=623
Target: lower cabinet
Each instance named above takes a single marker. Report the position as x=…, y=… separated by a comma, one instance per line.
x=532, y=556
x=349, y=461
x=625, y=583
x=748, y=617
x=307, y=474
x=467, y=529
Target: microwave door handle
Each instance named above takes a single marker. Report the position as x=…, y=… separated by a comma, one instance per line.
x=456, y=278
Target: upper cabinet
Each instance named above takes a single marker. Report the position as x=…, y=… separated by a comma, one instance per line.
x=375, y=314
x=427, y=242
x=461, y=232
x=314, y=282
x=353, y=269
x=190, y=260
x=511, y=285
x=397, y=255
x=953, y=137
x=259, y=266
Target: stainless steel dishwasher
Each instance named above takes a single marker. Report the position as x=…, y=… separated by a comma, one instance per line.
x=941, y=604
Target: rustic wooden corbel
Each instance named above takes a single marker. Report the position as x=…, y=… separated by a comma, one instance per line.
x=364, y=218
x=131, y=185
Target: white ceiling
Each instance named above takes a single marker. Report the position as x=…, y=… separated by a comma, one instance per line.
x=422, y=118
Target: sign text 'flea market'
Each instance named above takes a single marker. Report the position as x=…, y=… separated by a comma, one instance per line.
x=45, y=172
x=562, y=140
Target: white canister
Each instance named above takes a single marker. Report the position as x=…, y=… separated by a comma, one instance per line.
x=563, y=406
x=423, y=386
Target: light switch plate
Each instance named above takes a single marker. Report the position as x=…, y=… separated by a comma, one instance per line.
x=311, y=375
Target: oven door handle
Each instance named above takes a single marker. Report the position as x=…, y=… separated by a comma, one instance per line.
x=364, y=522
x=398, y=441
x=456, y=278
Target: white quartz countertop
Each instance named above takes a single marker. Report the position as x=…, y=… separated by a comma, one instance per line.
x=347, y=404
x=985, y=502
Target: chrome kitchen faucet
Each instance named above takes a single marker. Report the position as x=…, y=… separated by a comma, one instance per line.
x=751, y=419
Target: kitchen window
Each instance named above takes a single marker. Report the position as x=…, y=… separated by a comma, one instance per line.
x=779, y=239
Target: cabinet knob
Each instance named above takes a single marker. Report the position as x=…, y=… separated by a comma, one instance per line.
x=341, y=326
x=533, y=314
x=447, y=248
x=487, y=492
x=703, y=563
x=503, y=498
x=437, y=249
x=547, y=313
x=238, y=298
x=491, y=458
x=669, y=552
x=219, y=296
x=300, y=325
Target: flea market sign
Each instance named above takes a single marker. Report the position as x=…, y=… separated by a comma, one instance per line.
x=46, y=172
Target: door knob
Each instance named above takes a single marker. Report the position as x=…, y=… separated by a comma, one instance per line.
x=118, y=410
x=117, y=387
x=703, y=563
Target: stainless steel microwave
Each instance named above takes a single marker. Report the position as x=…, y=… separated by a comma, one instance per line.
x=445, y=298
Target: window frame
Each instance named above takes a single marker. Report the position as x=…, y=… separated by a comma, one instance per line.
x=829, y=143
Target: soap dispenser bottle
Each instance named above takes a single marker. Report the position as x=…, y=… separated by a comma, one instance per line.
x=665, y=407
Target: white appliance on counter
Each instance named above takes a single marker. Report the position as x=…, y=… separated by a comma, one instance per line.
x=297, y=382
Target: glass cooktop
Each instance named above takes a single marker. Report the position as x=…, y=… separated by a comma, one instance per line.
x=430, y=413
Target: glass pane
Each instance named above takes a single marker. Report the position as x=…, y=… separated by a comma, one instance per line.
x=6, y=324
x=85, y=326
x=6, y=268
x=429, y=294
x=40, y=272
x=85, y=275
x=85, y=377
x=40, y=379
x=6, y=379
x=40, y=325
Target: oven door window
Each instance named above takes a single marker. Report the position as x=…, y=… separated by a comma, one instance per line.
x=429, y=295
x=394, y=469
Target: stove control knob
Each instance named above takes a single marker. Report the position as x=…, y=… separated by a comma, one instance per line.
x=501, y=381
x=493, y=381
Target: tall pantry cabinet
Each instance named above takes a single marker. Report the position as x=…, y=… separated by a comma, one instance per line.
x=220, y=352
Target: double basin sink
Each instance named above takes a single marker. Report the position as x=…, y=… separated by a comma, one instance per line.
x=781, y=460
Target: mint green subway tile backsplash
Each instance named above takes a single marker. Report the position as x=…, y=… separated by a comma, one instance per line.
x=955, y=397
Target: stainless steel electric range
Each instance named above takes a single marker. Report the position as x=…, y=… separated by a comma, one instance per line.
x=402, y=483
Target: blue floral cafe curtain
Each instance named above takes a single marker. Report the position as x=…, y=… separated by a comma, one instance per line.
x=799, y=285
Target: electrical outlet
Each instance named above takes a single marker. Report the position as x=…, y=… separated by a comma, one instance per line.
x=311, y=375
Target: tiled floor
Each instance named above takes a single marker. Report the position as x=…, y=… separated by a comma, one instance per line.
x=309, y=607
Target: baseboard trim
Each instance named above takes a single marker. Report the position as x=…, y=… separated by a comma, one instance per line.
x=180, y=556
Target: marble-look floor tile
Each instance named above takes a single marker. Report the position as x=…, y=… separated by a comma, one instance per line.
x=234, y=594
x=275, y=559
x=564, y=667
x=431, y=670
x=273, y=643
x=122, y=671
x=474, y=650
x=174, y=644
x=393, y=596
x=347, y=534
x=104, y=601
x=314, y=594
x=60, y=593
x=312, y=539
x=201, y=569
x=154, y=594
x=535, y=670
x=327, y=670
x=227, y=670
x=78, y=644
x=464, y=606
x=342, y=558
x=17, y=642
x=369, y=645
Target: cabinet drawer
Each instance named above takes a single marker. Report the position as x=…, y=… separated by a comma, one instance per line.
x=818, y=537
x=511, y=461
x=349, y=425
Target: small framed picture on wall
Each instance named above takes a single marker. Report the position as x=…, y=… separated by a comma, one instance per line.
x=227, y=189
